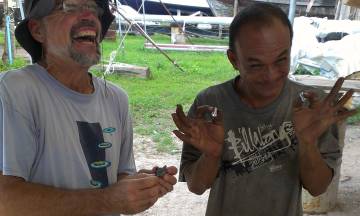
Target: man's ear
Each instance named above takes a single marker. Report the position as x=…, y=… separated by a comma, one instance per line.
x=232, y=58
x=36, y=30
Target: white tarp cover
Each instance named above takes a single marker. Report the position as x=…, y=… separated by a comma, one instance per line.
x=334, y=58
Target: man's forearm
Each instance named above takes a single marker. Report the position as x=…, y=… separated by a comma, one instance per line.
x=201, y=175
x=22, y=198
x=314, y=172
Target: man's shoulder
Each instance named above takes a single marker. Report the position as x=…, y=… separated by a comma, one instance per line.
x=15, y=74
x=216, y=90
x=299, y=87
x=18, y=79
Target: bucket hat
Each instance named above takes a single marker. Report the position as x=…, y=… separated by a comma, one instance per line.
x=40, y=8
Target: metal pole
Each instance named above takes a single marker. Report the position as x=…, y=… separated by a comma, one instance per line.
x=21, y=9
x=9, y=45
x=338, y=10
x=236, y=3
x=292, y=9
x=143, y=9
x=120, y=28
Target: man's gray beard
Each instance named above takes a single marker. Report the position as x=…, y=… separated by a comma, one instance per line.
x=84, y=59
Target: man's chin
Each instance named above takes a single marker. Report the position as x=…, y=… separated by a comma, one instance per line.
x=270, y=95
x=85, y=60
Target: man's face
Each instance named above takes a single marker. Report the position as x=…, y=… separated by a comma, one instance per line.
x=73, y=32
x=263, y=57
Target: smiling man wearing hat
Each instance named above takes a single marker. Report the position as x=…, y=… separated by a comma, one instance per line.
x=66, y=136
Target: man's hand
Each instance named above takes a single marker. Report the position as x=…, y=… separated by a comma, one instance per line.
x=167, y=181
x=207, y=136
x=312, y=121
x=134, y=193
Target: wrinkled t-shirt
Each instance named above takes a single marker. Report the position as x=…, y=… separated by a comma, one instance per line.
x=259, y=173
x=54, y=136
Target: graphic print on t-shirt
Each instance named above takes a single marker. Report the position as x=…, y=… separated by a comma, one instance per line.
x=253, y=148
x=94, y=146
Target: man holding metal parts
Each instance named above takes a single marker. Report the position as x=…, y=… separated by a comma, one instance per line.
x=66, y=136
x=251, y=140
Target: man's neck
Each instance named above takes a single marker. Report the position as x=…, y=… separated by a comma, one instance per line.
x=72, y=75
x=253, y=100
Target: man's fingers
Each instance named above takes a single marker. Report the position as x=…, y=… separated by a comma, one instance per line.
x=182, y=137
x=163, y=191
x=138, y=175
x=307, y=98
x=202, y=110
x=169, y=179
x=145, y=182
x=167, y=185
x=218, y=119
x=146, y=171
x=180, y=124
x=343, y=115
x=216, y=114
x=181, y=116
x=330, y=98
x=344, y=99
x=171, y=170
x=313, y=98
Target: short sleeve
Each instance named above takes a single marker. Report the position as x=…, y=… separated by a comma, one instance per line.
x=126, y=161
x=328, y=144
x=17, y=141
x=330, y=149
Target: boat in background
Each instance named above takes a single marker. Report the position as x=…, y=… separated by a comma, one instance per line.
x=222, y=8
x=320, y=8
x=185, y=7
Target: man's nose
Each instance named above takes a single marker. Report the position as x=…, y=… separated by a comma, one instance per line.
x=85, y=12
x=271, y=73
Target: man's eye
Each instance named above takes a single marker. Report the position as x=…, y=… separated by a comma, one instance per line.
x=71, y=7
x=255, y=66
x=282, y=60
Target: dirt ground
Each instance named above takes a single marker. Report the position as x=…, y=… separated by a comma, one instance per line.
x=181, y=202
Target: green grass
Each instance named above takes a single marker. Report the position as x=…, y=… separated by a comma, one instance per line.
x=2, y=36
x=18, y=63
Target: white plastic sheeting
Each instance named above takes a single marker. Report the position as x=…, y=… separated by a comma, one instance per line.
x=334, y=58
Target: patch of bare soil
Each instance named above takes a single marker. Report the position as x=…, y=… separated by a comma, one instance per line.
x=181, y=202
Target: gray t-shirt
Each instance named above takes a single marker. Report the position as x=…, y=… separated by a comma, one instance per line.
x=54, y=136
x=259, y=174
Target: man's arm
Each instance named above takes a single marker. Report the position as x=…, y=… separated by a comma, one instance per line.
x=311, y=122
x=200, y=175
x=208, y=138
x=18, y=197
x=315, y=174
